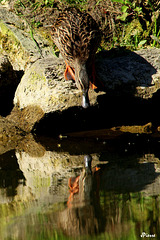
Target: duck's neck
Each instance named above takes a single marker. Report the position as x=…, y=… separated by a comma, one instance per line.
x=81, y=75
x=82, y=81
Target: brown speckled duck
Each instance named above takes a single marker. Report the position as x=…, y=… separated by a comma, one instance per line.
x=77, y=36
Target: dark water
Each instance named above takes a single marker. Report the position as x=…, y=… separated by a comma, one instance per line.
x=47, y=192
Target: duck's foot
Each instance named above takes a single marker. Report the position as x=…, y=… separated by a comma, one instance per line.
x=73, y=184
x=85, y=99
x=94, y=84
x=69, y=73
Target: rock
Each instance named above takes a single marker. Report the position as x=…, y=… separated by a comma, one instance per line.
x=25, y=119
x=18, y=122
x=43, y=85
x=19, y=42
x=130, y=73
x=8, y=131
x=5, y=65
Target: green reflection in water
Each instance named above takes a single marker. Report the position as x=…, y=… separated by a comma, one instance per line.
x=130, y=214
x=119, y=217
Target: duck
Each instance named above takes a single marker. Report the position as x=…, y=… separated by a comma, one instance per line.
x=77, y=36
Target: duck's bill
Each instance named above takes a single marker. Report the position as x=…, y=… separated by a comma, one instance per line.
x=85, y=99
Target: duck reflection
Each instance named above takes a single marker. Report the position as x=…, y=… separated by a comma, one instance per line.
x=80, y=187
x=83, y=216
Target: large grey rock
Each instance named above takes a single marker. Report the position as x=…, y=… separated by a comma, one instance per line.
x=43, y=84
x=132, y=73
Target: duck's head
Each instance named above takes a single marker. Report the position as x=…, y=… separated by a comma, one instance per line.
x=82, y=81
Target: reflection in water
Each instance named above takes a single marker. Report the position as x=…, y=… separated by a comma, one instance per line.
x=64, y=189
x=81, y=185
x=11, y=178
x=79, y=218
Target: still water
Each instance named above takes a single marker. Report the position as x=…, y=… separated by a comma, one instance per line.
x=80, y=188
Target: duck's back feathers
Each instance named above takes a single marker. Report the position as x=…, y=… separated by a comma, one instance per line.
x=76, y=34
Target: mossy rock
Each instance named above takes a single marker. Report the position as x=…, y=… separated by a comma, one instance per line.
x=19, y=42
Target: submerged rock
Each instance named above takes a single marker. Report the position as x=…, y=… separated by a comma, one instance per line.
x=25, y=119
x=9, y=131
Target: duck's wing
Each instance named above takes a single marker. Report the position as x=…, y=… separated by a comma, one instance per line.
x=76, y=34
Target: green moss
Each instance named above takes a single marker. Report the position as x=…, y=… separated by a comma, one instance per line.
x=8, y=40
x=11, y=45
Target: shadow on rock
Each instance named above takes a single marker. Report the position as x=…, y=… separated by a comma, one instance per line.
x=121, y=71
x=9, y=80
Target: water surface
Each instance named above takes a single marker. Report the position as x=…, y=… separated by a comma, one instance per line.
x=46, y=192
